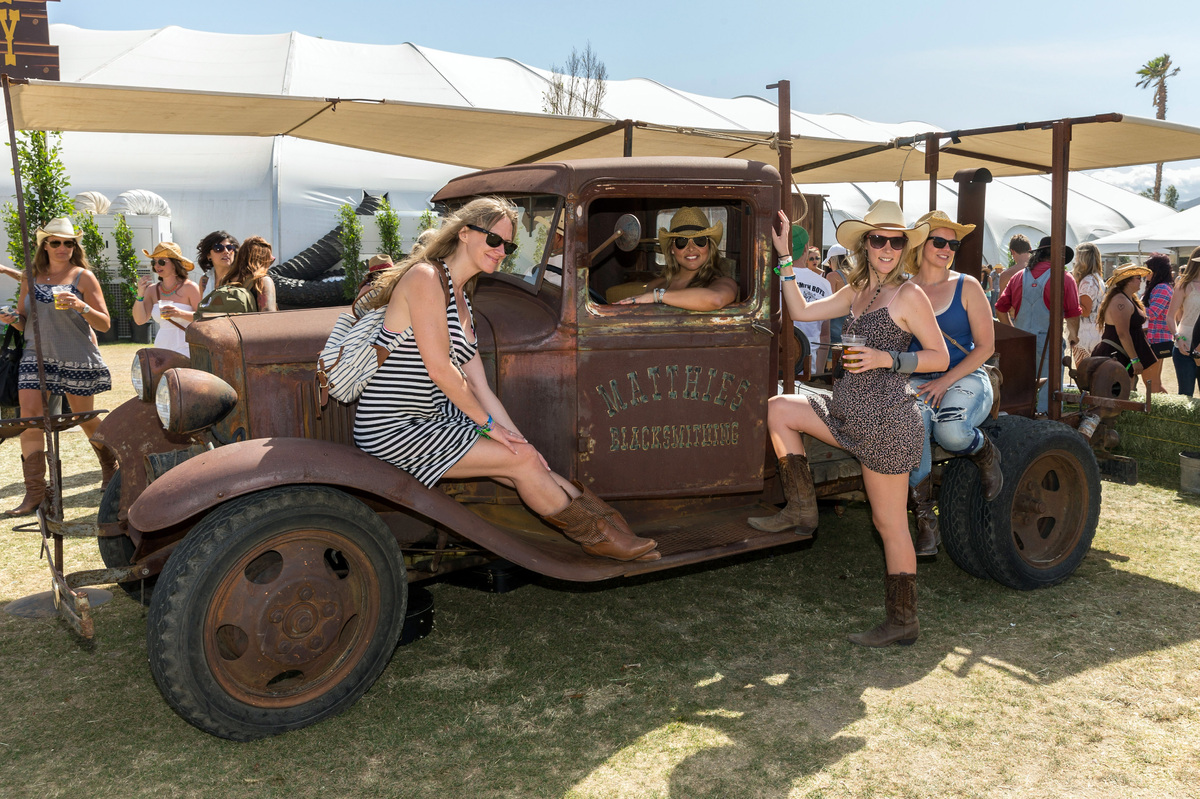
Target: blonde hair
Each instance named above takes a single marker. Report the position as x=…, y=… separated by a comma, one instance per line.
x=434, y=246
x=860, y=274
x=250, y=264
x=709, y=271
x=1087, y=262
x=1190, y=270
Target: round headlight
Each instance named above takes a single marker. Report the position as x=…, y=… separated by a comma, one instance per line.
x=188, y=400
x=149, y=365
x=135, y=375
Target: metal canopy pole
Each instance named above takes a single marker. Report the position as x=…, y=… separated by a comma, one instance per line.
x=1061, y=155
x=785, y=202
x=932, y=143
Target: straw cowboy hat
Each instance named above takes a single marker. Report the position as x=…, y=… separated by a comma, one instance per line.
x=690, y=223
x=882, y=215
x=169, y=249
x=380, y=261
x=1042, y=252
x=60, y=227
x=937, y=219
x=1125, y=271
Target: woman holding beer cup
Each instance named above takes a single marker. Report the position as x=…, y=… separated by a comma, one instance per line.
x=71, y=304
x=873, y=413
x=170, y=300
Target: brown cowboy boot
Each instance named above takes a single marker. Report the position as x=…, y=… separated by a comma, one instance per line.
x=34, y=467
x=988, y=461
x=800, y=512
x=900, y=601
x=108, y=464
x=600, y=529
x=929, y=536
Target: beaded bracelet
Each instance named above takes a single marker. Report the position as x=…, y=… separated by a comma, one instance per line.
x=784, y=261
x=482, y=430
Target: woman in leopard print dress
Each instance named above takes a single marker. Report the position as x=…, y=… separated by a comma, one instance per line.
x=873, y=413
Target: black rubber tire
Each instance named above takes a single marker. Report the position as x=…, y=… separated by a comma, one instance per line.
x=117, y=552
x=279, y=609
x=1045, y=517
x=309, y=293
x=960, y=509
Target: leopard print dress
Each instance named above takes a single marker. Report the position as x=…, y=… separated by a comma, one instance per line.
x=873, y=415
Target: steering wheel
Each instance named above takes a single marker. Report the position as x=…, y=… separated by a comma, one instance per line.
x=597, y=297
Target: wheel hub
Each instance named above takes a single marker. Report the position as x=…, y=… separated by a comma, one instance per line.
x=300, y=620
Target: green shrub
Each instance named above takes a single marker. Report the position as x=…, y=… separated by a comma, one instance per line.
x=350, y=237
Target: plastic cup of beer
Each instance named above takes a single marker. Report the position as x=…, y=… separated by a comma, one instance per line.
x=163, y=307
x=850, y=342
x=60, y=295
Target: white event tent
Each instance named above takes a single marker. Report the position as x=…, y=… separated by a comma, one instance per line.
x=289, y=189
x=1179, y=231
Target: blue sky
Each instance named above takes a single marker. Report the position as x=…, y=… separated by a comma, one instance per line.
x=963, y=64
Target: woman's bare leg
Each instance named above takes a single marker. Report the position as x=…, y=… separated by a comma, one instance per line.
x=888, y=495
x=545, y=492
x=790, y=415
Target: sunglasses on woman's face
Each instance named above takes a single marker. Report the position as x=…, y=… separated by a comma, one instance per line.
x=224, y=248
x=493, y=240
x=876, y=241
x=939, y=243
x=681, y=242
x=160, y=261
x=54, y=245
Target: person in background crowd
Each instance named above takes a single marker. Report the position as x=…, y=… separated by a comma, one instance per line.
x=1124, y=317
x=214, y=254
x=429, y=409
x=1089, y=280
x=1032, y=315
x=691, y=276
x=375, y=266
x=835, y=272
x=70, y=304
x=249, y=270
x=1157, y=298
x=956, y=401
x=170, y=300
x=872, y=412
x=1183, y=319
x=814, y=286
x=1020, y=249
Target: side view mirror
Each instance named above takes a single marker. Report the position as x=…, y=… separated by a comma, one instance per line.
x=626, y=233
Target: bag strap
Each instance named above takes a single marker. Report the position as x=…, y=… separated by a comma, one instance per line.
x=950, y=338
x=1115, y=345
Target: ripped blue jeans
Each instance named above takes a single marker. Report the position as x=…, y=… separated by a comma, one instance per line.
x=955, y=423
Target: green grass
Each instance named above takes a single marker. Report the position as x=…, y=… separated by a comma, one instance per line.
x=733, y=680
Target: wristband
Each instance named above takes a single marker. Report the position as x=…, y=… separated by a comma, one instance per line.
x=895, y=360
x=139, y=299
x=660, y=296
x=907, y=363
x=786, y=278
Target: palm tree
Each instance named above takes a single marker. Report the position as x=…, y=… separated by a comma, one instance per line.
x=1155, y=73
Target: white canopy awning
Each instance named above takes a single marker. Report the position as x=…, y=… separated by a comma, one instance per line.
x=1178, y=230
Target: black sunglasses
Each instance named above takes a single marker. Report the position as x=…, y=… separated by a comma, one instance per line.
x=160, y=261
x=681, y=242
x=940, y=243
x=876, y=241
x=493, y=240
x=54, y=245
x=224, y=248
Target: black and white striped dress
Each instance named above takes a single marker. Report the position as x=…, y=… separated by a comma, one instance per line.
x=404, y=418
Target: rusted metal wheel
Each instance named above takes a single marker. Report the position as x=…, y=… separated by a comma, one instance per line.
x=278, y=610
x=1043, y=521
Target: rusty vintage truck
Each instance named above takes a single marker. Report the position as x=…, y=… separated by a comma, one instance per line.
x=276, y=557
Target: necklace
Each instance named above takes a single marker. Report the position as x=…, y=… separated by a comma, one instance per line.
x=162, y=293
x=878, y=288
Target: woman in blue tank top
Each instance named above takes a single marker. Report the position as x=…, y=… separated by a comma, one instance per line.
x=955, y=402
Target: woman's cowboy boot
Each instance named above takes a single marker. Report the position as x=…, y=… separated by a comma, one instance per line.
x=108, y=464
x=988, y=461
x=800, y=512
x=600, y=529
x=34, y=467
x=901, y=627
x=928, y=534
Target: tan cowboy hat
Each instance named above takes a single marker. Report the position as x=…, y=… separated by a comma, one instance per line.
x=380, y=261
x=1125, y=271
x=169, y=249
x=60, y=227
x=937, y=219
x=690, y=223
x=882, y=215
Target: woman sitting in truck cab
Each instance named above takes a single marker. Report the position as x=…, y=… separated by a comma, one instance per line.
x=691, y=277
x=873, y=413
x=429, y=409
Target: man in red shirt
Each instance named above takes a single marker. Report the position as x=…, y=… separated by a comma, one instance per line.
x=1032, y=315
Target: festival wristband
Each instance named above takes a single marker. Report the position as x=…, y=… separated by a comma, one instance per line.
x=786, y=278
x=907, y=363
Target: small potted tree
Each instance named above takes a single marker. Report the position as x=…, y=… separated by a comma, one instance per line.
x=93, y=245
x=127, y=263
x=350, y=237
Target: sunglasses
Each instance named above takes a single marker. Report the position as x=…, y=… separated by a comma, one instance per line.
x=876, y=241
x=224, y=248
x=681, y=242
x=939, y=243
x=54, y=245
x=493, y=240
x=160, y=261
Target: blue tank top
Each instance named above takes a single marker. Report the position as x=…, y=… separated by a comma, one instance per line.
x=955, y=323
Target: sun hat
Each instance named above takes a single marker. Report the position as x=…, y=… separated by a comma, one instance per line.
x=1125, y=271
x=936, y=219
x=380, y=261
x=690, y=223
x=59, y=226
x=169, y=249
x=1042, y=252
x=882, y=215
x=834, y=251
